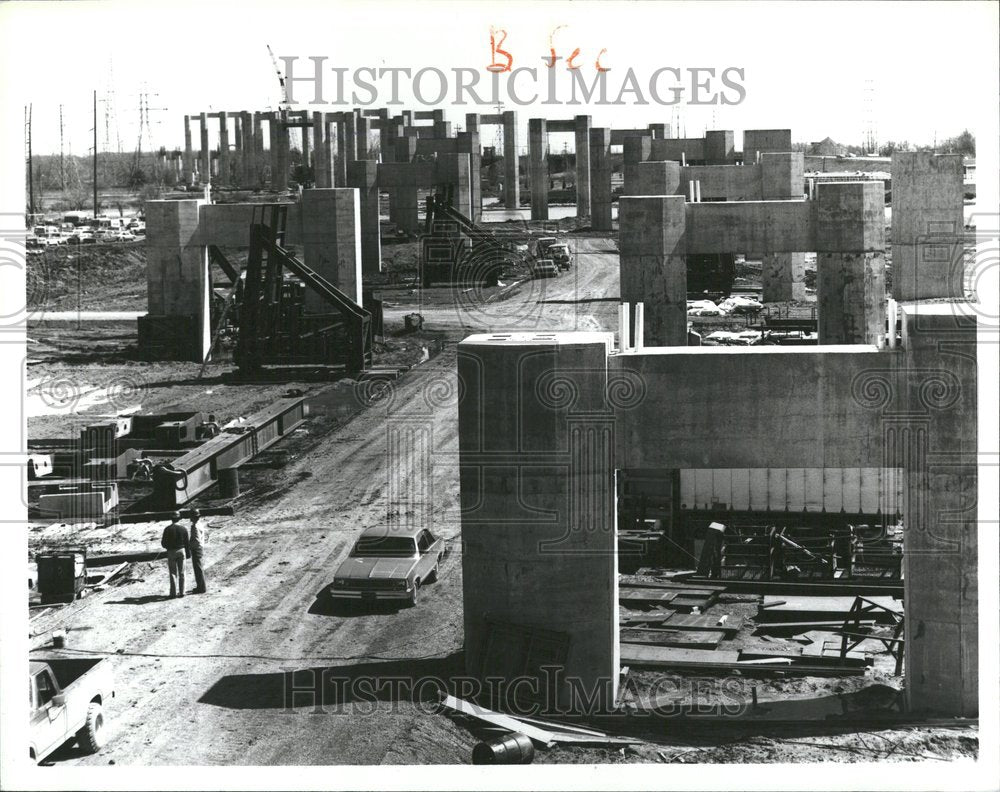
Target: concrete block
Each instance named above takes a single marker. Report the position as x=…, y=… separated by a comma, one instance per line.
x=782, y=176
x=657, y=178
x=758, y=141
x=581, y=138
x=719, y=147
x=850, y=217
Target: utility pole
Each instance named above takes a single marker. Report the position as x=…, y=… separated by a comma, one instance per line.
x=62, y=165
x=31, y=169
x=95, y=157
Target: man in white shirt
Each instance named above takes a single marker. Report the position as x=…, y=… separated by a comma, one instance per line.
x=199, y=538
x=710, y=563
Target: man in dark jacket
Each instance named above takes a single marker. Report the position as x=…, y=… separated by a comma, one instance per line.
x=177, y=544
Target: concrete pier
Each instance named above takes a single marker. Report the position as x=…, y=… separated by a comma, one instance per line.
x=331, y=241
x=581, y=142
x=541, y=567
x=511, y=166
x=204, y=156
x=538, y=168
x=850, y=297
x=363, y=176
x=927, y=225
x=600, y=179
x=177, y=269
x=224, y=174
x=652, y=243
x=188, y=169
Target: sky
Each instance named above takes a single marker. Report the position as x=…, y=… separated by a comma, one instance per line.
x=806, y=66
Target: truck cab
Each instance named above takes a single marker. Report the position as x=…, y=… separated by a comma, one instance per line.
x=66, y=699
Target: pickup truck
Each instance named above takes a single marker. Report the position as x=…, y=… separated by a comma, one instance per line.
x=66, y=698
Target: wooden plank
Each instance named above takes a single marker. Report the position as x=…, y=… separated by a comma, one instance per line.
x=694, y=639
x=645, y=595
x=642, y=655
x=541, y=736
x=787, y=602
x=636, y=581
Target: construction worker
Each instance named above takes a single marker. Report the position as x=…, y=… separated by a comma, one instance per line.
x=177, y=544
x=710, y=563
x=199, y=538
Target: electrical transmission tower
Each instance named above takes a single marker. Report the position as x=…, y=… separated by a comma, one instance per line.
x=871, y=130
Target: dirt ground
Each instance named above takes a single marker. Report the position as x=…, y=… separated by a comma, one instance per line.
x=203, y=679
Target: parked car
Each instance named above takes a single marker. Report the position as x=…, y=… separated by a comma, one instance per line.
x=545, y=268
x=388, y=564
x=702, y=308
x=542, y=246
x=559, y=253
x=67, y=698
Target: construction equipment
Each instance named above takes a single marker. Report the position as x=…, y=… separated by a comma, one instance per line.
x=274, y=328
x=456, y=250
x=61, y=573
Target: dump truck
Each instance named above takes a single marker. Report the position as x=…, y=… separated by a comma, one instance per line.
x=67, y=700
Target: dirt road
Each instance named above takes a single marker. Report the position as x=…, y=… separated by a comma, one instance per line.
x=202, y=679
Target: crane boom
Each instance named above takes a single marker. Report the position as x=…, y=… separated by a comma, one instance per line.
x=281, y=78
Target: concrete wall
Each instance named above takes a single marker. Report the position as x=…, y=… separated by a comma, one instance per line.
x=538, y=538
x=927, y=225
x=760, y=140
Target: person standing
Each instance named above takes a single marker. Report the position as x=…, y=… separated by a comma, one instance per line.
x=199, y=538
x=710, y=564
x=176, y=542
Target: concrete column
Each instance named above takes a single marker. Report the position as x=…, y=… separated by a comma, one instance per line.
x=331, y=241
x=850, y=288
x=538, y=168
x=850, y=297
x=363, y=175
x=932, y=432
x=472, y=122
x=658, y=177
x=350, y=138
x=600, y=179
x=927, y=226
x=547, y=559
x=511, y=166
x=455, y=169
x=238, y=140
x=272, y=131
x=652, y=242
x=468, y=143
x=321, y=168
x=783, y=276
x=634, y=151
x=188, y=172
x=246, y=127
x=720, y=147
x=581, y=142
x=362, y=128
x=257, y=159
x=280, y=179
x=224, y=177
x=306, y=148
x=204, y=157
x=177, y=269
x=340, y=159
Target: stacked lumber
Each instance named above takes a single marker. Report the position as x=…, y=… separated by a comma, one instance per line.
x=543, y=734
x=724, y=661
x=638, y=591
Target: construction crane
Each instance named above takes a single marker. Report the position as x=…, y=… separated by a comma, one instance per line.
x=284, y=104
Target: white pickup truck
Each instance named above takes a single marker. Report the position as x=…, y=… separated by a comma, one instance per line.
x=67, y=697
